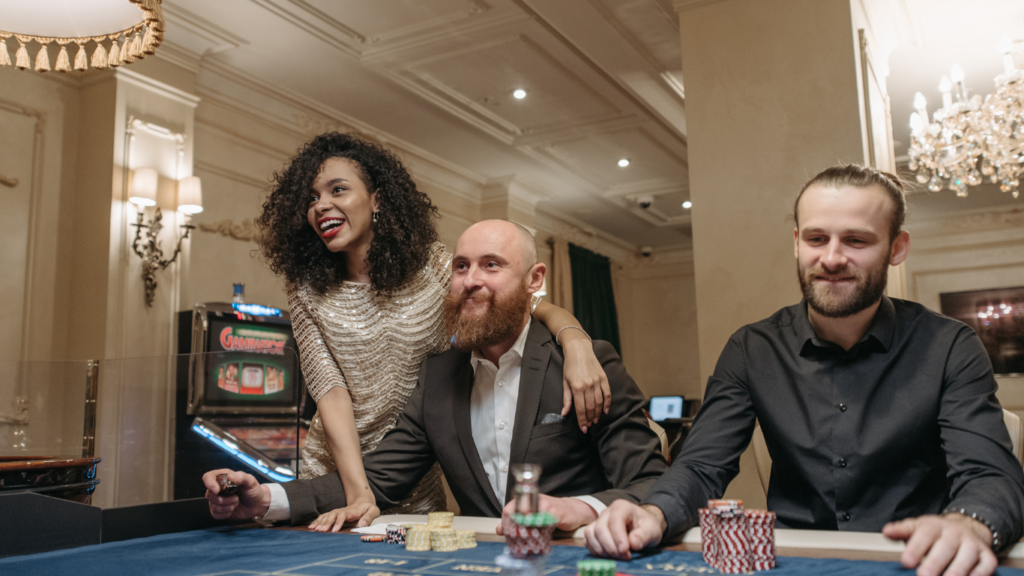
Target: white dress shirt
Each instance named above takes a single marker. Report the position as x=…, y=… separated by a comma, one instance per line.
x=492, y=415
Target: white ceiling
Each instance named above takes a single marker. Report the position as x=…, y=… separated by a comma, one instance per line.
x=602, y=80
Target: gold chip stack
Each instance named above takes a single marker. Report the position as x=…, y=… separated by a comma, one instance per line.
x=466, y=538
x=418, y=539
x=443, y=540
x=440, y=519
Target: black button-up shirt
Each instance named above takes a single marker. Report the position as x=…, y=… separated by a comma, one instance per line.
x=904, y=423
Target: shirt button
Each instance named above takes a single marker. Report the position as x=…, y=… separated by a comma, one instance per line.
x=842, y=407
x=846, y=515
x=501, y=425
x=504, y=468
x=842, y=463
x=501, y=383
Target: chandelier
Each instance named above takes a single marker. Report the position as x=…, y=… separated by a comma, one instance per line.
x=137, y=24
x=970, y=140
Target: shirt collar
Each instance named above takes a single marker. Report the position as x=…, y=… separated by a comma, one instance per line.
x=883, y=325
x=515, y=351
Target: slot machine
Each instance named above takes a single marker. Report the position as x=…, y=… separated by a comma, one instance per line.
x=240, y=400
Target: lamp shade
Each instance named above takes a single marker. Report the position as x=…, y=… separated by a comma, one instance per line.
x=143, y=189
x=190, y=195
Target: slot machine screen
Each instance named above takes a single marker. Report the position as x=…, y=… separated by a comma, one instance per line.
x=666, y=408
x=250, y=364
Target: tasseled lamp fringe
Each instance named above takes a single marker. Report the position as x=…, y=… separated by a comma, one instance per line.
x=99, y=55
x=22, y=61
x=63, y=60
x=114, y=57
x=5, y=56
x=43, y=56
x=81, y=61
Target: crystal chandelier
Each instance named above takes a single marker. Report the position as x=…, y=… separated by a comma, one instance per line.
x=971, y=140
x=138, y=24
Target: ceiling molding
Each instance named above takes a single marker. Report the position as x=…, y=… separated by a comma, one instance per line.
x=220, y=39
x=179, y=56
x=211, y=168
x=314, y=108
x=310, y=28
x=555, y=134
x=165, y=90
x=601, y=8
x=614, y=81
x=551, y=221
x=653, y=187
x=683, y=5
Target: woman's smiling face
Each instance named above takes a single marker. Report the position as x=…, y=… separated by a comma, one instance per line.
x=340, y=207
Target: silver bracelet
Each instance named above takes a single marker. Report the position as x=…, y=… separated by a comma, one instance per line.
x=574, y=328
x=974, y=516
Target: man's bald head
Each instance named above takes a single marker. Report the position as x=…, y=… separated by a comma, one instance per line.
x=512, y=234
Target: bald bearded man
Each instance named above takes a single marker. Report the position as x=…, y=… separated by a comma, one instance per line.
x=489, y=403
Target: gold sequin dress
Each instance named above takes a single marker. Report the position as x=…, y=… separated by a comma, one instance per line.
x=373, y=346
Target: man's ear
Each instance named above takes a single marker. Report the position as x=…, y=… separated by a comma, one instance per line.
x=536, y=277
x=900, y=248
x=796, y=242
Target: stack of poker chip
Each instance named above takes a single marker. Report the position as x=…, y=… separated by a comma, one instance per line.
x=596, y=567
x=761, y=526
x=418, y=539
x=732, y=548
x=466, y=538
x=734, y=540
x=531, y=534
x=395, y=534
x=443, y=540
x=440, y=519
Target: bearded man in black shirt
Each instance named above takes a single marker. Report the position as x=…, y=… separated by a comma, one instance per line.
x=878, y=413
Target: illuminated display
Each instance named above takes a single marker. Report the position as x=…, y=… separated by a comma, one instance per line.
x=256, y=309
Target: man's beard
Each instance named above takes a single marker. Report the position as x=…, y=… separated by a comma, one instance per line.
x=499, y=322
x=867, y=289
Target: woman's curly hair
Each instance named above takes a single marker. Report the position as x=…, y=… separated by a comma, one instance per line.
x=402, y=235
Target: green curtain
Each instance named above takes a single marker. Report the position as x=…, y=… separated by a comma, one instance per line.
x=593, y=299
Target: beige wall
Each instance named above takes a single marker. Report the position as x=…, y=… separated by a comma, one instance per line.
x=970, y=250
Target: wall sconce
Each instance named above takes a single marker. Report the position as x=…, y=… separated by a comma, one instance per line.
x=142, y=193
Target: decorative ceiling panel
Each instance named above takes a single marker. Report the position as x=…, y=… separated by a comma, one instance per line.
x=487, y=76
x=650, y=23
x=597, y=156
x=378, y=22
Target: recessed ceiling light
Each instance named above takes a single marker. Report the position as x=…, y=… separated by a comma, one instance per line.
x=519, y=94
x=687, y=204
x=624, y=162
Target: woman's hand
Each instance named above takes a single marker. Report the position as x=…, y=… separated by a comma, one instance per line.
x=361, y=512
x=583, y=380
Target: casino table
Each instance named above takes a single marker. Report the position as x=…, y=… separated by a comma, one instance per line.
x=298, y=552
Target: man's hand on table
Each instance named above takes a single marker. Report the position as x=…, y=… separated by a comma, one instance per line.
x=361, y=512
x=571, y=513
x=623, y=527
x=251, y=501
x=952, y=544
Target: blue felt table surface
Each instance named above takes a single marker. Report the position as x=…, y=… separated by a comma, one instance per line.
x=230, y=551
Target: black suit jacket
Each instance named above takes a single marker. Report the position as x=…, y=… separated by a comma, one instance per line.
x=616, y=458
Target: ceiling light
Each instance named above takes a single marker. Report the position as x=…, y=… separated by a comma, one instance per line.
x=519, y=94
x=687, y=204
x=43, y=22
x=624, y=162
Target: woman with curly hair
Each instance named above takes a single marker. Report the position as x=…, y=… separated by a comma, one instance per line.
x=366, y=278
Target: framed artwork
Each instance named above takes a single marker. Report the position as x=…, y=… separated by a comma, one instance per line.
x=997, y=316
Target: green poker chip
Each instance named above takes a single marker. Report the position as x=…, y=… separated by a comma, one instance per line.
x=535, y=520
x=596, y=567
